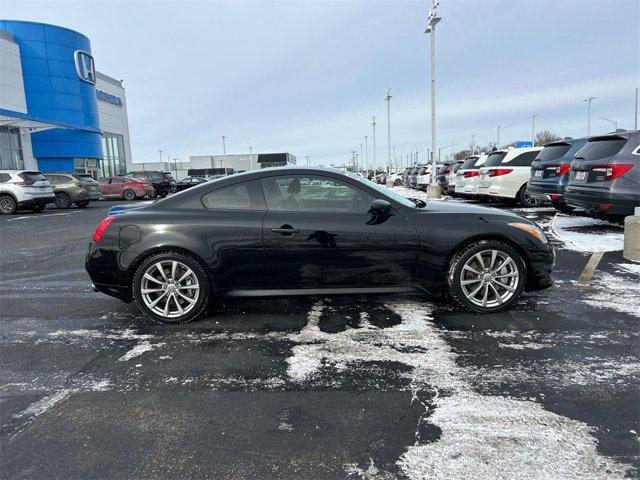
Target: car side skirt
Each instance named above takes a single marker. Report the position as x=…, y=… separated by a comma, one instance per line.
x=316, y=291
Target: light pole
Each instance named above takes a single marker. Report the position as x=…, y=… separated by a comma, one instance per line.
x=533, y=129
x=361, y=157
x=251, y=157
x=500, y=128
x=387, y=97
x=589, y=100
x=224, y=153
x=307, y=157
x=612, y=122
x=366, y=155
x=635, y=118
x=473, y=144
x=373, y=124
x=433, y=19
x=161, y=163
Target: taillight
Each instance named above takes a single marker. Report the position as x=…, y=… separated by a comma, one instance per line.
x=560, y=169
x=496, y=172
x=471, y=173
x=100, y=229
x=612, y=171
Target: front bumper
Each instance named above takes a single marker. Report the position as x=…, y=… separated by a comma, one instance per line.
x=541, y=264
x=601, y=201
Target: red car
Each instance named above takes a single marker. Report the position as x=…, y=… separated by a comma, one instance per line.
x=124, y=187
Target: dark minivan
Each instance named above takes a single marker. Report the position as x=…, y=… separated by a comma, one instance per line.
x=550, y=171
x=605, y=175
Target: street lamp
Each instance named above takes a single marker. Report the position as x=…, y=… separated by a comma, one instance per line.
x=533, y=129
x=373, y=124
x=589, y=100
x=433, y=20
x=387, y=97
x=500, y=128
x=224, y=153
x=613, y=122
x=161, y=163
x=442, y=148
x=366, y=155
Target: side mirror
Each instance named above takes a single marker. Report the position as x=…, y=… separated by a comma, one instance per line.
x=380, y=208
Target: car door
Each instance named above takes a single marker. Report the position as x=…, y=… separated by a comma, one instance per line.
x=318, y=234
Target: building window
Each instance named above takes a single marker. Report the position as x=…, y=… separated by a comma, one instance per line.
x=113, y=157
x=11, y=149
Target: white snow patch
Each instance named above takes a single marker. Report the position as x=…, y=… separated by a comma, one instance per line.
x=44, y=404
x=139, y=349
x=616, y=293
x=585, y=241
x=523, y=346
x=629, y=268
x=126, y=334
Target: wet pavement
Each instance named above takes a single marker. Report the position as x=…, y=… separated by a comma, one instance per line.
x=339, y=387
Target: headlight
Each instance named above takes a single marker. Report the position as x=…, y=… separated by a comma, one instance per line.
x=533, y=230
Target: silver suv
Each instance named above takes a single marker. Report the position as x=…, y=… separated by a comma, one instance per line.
x=24, y=189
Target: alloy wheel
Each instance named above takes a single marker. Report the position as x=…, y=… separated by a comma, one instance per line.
x=531, y=201
x=489, y=278
x=169, y=288
x=7, y=205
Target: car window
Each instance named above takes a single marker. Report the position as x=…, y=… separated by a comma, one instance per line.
x=104, y=181
x=314, y=194
x=4, y=177
x=117, y=181
x=597, y=149
x=494, y=159
x=524, y=159
x=233, y=196
x=470, y=162
x=553, y=152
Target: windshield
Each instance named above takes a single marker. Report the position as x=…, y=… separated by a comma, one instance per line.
x=384, y=190
x=469, y=162
x=494, y=159
x=553, y=152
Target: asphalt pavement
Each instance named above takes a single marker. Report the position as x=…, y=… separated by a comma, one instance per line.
x=320, y=388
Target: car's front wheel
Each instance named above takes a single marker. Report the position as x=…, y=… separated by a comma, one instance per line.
x=487, y=276
x=171, y=287
x=8, y=205
x=63, y=200
x=129, y=194
x=37, y=208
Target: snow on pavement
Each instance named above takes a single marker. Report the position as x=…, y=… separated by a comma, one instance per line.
x=573, y=232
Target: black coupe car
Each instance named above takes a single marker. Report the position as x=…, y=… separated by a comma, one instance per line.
x=301, y=231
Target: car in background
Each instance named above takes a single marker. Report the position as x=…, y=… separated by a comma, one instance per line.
x=172, y=181
x=467, y=174
x=450, y=183
x=550, y=171
x=395, y=178
x=605, y=175
x=126, y=188
x=24, y=189
x=413, y=176
x=406, y=176
x=215, y=177
x=189, y=182
x=311, y=231
x=424, y=177
x=505, y=175
x=69, y=190
x=161, y=184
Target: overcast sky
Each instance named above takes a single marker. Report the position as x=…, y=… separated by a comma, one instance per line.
x=306, y=76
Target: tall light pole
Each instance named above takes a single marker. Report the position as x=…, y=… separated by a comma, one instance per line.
x=635, y=118
x=251, y=157
x=366, y=155
x=499, y=129
x=473, y=144
x=612, y=122
x=533, y=129
x=433, y=20
x=589, y=100
x=224, y=153
x=387, y=97
x=307, y=157
x=161, y=163
x=373, y=124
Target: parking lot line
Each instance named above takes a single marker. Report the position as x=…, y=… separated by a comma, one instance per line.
x=590, y=267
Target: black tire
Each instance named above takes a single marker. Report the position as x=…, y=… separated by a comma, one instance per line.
x=63, y=200
x=82, y=203
x=527, y=201
x=397, y=182
x=563, y=207
x=155, y=192
x=162, y=194
x=8, y=205
x=459, y=260
x=203, y=280
x=129, y=194
x=37, y=208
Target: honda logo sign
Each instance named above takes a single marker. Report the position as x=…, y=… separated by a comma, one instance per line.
x=85, y=67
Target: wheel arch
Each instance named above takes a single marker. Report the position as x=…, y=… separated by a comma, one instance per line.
x=9, y=194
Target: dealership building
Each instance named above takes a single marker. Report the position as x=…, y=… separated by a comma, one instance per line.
x=57, y=113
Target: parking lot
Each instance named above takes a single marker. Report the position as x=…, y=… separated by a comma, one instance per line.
x=339, y=387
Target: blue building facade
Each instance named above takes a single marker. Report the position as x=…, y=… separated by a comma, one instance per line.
x=59, y=84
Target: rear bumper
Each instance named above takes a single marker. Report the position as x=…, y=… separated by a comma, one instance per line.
x=541, y=189
x=495, y=189
x=94, y=195
x=601, y=201
x=36, y=201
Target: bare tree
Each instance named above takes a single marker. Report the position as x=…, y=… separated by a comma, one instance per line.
x=545, y=136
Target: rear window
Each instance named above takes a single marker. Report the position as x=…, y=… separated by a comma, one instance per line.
x=553, y=152
x=597, y=149
x=524, y=159
x=469, y=163
x=31, y=177
x=494, y=159
x=167, y=176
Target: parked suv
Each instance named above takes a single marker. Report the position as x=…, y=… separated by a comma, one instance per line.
x=161, y=184
x=605, y=175
x=69, y=190
x=505, y=175
x=123, y=187
x=467, y=174
x=450, y=181
x=24, y=189
x=550, y=171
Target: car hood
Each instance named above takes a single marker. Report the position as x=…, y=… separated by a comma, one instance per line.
x=451, y=207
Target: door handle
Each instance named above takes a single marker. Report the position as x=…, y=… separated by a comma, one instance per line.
x=286, y=230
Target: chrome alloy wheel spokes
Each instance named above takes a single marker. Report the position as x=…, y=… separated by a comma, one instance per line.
x=169, y=288
x=489, y=278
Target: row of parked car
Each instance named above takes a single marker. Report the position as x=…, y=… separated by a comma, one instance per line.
x=33, y=190
x=600, y=175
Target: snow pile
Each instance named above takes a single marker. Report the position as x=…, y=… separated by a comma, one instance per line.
x=570, y=230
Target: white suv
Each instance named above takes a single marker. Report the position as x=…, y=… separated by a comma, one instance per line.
x=467, y=175
x=24, y=189
x=505, y=175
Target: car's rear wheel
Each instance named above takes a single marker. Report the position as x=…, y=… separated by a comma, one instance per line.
x=129, y=194
x=397, y=182
x=8, y=205
x=171, y=287
x=37, y=208
x=527, y=200
x=155, y=192
x=487, y=276
x=62, y=200
x=82, y=203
